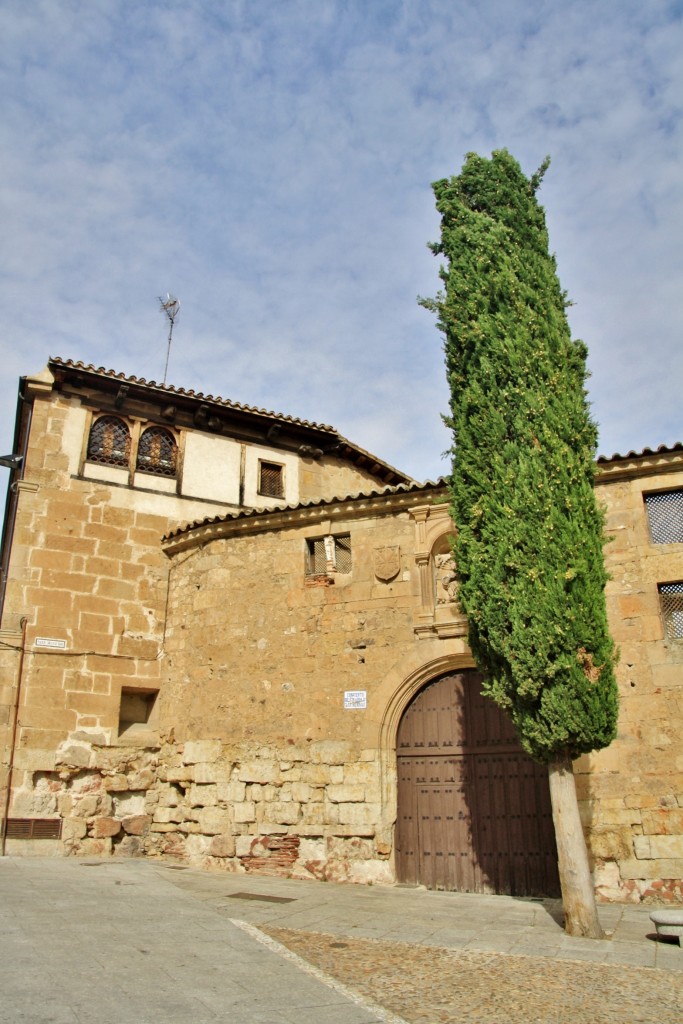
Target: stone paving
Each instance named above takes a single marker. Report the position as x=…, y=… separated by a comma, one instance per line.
x=445, y=986
x=135, y=942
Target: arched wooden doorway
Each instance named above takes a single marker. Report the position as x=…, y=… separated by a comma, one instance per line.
x=473, y=809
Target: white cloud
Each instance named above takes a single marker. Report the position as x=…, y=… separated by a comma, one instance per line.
x=271, y=163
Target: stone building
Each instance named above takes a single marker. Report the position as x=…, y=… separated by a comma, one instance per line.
x=234, y=638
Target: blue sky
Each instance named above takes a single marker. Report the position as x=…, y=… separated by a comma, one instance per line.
x=270, y=161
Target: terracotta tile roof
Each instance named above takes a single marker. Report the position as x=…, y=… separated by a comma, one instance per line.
x=663, y=449
x=248, y=513
x=320, y=434
x=169, y=389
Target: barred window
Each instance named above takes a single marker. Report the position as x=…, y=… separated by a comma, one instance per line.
x=328, y=554
x=157, y=452
x=671, y=601
x=665, y=515
x=109, y=442
x=271, y=480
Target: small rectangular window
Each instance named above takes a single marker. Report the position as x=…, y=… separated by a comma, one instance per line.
x=671, y=602
x=665, y=516
x=328, y=554
x=271, y=480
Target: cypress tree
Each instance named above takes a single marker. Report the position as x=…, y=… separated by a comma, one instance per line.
x=529, y=531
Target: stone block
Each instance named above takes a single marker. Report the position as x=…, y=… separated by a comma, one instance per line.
x=183, y=774
x=197, y=845
x=166, y=815
x=610, y=843
x=128, y=804
x=116, y=783
x=136, y=824
x=363, y=774
x=243, y=845
x=283, y=813
x=86, y=805
x=663, y=821
x=641, y=847
x=370, y=872
x=331, y=752
x=222, y=846
x=214, y=820
x=311, y=849
x=201, y=750
x=258, y=771
x=315, y=774
x=203, y=796
x=75, y=757
x=345, y=794
x=245, y=812
x=667, y=847
x=231, y=792
x=651, y=868
x=359, y=814
x=74, y=828
x=144, y=779
x=205, y=773
x=105, y=827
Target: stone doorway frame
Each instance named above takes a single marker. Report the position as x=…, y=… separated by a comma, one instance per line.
x=404, y=683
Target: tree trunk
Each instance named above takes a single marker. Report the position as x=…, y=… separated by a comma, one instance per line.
x=578, y=895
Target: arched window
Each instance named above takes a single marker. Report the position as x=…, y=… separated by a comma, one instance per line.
x=109, y=442
x=157, y=452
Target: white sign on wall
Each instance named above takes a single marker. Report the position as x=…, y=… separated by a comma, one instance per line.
x=46, y=641
x=355, y=699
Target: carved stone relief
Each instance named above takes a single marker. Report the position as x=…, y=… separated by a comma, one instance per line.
x=445, y=580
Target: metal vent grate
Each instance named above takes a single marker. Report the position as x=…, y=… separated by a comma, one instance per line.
x=665, y=515
x=34, y=828
x=671, y=598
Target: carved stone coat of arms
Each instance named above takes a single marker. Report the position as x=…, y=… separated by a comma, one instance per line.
x=387, y=562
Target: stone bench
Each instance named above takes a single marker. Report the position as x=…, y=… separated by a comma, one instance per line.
x=669, y=921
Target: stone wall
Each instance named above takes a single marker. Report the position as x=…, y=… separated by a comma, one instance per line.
x=632, y=792
x=88, y=574
x=275, y=773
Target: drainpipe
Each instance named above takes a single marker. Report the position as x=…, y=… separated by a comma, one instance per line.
x=13, y=743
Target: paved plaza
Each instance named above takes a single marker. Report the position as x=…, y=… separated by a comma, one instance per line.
x=142, y=941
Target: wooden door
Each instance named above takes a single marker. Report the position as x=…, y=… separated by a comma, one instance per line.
x=473, y=809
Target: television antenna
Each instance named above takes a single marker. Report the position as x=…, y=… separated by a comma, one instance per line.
x=170, y=307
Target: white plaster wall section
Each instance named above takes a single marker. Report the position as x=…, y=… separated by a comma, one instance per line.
x=211, y=468
x=72, y=436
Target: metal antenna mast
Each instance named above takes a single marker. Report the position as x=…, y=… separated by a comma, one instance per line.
x=170, y=306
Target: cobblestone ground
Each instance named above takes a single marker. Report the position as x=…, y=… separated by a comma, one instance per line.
x=426, y=985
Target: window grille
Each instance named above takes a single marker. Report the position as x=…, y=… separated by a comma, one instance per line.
x=329, y=554
x=665, y=515
x=671, y=601
x=157, y=452
x=109, y=442
x=271, y=480
x=34, y=828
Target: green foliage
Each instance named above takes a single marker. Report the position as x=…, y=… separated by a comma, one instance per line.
x=530, y=534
